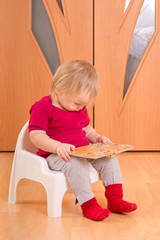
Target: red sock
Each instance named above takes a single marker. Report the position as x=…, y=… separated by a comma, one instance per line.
x=92, y=210
x=114, y=195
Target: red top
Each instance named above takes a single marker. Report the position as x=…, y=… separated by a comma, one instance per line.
x=60, y=125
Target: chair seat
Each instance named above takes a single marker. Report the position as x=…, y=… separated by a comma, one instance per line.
x=26, y=164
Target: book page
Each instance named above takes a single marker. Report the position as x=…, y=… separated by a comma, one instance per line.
x=99, y=150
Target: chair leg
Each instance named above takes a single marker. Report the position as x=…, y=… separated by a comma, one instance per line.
x=12, y=191
x=14, y=179
x=55, y=195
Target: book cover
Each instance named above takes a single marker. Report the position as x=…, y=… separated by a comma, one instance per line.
x=98, y=150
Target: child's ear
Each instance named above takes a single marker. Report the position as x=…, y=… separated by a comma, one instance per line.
x=58, y=91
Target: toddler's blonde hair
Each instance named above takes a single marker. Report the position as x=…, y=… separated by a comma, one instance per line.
x=76, y=77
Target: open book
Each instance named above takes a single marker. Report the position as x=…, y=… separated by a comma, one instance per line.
x=98, y=150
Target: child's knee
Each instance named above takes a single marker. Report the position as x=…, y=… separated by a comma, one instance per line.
x=77, y=164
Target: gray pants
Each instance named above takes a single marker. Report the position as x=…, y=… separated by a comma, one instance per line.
x=77, y=172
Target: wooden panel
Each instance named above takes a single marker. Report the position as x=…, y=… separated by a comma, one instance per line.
x=134, y=119
x=24, y=73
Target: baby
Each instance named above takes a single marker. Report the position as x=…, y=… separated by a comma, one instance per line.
x=59, y=123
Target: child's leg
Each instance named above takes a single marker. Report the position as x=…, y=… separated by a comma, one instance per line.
x=77, y=173
x=112, y=180
x=109, y=169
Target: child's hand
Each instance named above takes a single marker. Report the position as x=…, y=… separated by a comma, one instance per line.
x=103, y=139
x=64, y=150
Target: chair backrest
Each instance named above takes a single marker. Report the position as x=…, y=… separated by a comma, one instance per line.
x=24, y=142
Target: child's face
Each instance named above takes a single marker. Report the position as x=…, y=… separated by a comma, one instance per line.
x=70, y=103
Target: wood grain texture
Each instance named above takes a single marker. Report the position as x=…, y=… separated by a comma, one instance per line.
x=24, y=73
x=134, y=119
x=28, y=218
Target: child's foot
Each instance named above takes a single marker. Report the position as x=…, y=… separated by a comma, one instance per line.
x=114, y=195
x=121, y=206
x=92, y=210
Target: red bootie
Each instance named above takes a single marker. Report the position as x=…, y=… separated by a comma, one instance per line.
x=114, y=195
x=92, y=210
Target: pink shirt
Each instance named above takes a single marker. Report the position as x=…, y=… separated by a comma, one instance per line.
x=60, y=125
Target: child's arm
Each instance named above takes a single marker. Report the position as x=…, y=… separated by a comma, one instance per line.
x=94, y=137
x=41, y=140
